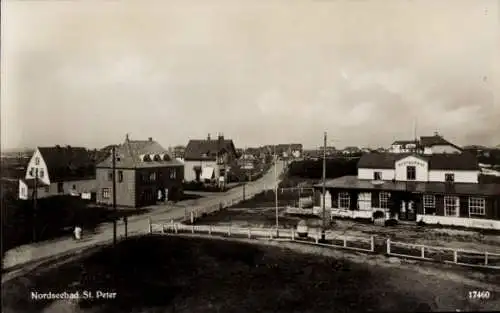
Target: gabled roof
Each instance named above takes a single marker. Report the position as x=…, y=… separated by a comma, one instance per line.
x=207, y=149
x=128, y=155
x=404, y=142
x=436, y=140
x=464, y=161
x=68, y=163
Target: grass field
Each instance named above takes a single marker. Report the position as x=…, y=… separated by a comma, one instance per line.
x=175, y=274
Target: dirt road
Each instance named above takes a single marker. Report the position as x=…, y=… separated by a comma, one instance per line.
x=28, y=253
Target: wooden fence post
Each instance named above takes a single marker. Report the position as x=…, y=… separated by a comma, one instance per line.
x=172, y=224
x=249, y=233
x=175, y=228
x=372, y=244
x=209, y=229
x=293, y=234
x=229, y=231
x=345, y=242
x=455, y=256
x=422, y=252
x=192, y=229
x=163, y=228
x=486, y=258
x=270, y=234
x=317, y=237
x=389, y=246
x=192, y=217
x=150, y=226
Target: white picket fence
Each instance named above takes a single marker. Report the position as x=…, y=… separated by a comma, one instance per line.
x=344, y=242
x=443, y=254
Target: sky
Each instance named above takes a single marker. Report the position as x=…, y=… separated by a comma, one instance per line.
x=86, y=73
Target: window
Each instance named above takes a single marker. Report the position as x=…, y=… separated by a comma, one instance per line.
x=449, y=178
x=384, y=200
x=451, y=206
x=411, y=173
x=429, y=204
x=173, y=173
x=477, y=206
x=344, y=200
x=74, y=187
x=120, y=176
x=47, y=189
x=110, y=175
x=105, y=193
x=32, y=172
x=152, y=176
x=37, y=161
x=377, y=175
x=60, y=188
x=41, y=173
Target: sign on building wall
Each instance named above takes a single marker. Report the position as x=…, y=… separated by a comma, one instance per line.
x=412, y=163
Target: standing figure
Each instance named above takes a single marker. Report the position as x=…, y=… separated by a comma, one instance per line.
x=78, y=232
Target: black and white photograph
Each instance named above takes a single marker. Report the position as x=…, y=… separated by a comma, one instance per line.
x=198, y=156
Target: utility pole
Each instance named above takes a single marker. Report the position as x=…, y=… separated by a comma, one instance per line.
x=276, y=189
x=35, y=196
x=115, y=215
x=324, y=190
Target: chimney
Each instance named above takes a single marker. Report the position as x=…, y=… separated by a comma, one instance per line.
x=221, y=137
x=150, y=139
x=436, y=134
x=208, y=137
x=126, y=138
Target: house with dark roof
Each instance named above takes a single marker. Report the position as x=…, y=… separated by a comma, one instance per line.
x=209, y=160
x=435, y=189
x=426, y=145
x=59, y=170
x=145, y=174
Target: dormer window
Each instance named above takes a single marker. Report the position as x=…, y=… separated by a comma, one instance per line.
x=157, y=158
x=166, y=157
x=146, y=158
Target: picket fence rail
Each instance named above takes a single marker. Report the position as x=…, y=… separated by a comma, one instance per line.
x=346, y=242
x=436, y=253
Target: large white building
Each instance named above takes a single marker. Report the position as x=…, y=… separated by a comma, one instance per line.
x=426, y=145
x=435, y=188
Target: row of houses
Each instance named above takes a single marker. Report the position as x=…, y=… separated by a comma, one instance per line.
x=146, y=172
x=431, y=180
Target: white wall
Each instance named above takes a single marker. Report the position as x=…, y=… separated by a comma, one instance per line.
x=41, y=166
x=459, y=221
x=421, y=166
x=444, y=149
x=367, y=173
x=189, y=174
x=460, y=176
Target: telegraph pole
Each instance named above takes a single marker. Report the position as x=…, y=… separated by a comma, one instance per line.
x=324, y=190
x=276, y=189
x=35, y=196
x=113, y=156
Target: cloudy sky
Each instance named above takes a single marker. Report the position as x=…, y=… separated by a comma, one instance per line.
x=85, y=73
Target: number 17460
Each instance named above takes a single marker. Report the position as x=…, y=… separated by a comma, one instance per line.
x=479, y=294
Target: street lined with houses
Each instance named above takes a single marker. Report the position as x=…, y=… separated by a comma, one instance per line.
x=139, y=224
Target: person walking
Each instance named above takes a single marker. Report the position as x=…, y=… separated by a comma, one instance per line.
x=78, y=232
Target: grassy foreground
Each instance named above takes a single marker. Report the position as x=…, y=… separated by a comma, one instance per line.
x=175, y=274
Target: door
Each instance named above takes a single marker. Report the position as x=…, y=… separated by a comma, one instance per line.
x=407, y=211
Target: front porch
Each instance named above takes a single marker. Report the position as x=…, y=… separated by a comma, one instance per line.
x=364, y=204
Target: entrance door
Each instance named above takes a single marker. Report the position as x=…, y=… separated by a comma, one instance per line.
x=407, y=212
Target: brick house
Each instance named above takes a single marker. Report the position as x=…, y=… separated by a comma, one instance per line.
x=59, y=171
x=435, y=189
x=146, y=174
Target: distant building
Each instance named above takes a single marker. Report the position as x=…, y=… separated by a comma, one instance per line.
x=426, y=145
x=351, y=150
x=59, y=171
x=209, y=160
x=248, y=161
x=145, y=173
x=436, y=189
